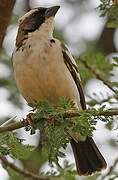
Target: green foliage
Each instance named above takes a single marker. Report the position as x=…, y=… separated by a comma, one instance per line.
x=10, y=144
x=112, y=15
x=53, y=126
x=111, y=11
x=14, y=19
x=68, y=175
x=59, y=35
x=58, y=130
x=104, y=6
x=98, y=61
x=111, y=124
x=8, y=82
x=115, y=61
x=14, y=175
x=85, y=74
x=94, y=64
x=59, y=173
x=3, y=151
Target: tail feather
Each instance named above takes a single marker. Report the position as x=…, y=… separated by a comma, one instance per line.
x=87, y=157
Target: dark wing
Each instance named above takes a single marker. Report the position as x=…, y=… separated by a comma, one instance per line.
x=87, y=156
x=72, y=67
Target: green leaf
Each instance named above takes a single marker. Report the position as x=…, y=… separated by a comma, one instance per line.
x=85, y=74
x=69, y=176
x=115, y=59
x=107, y=8
x=14, y=146
x=57, y=130
x=3, y=151
x=98, y=61
x=112, y=17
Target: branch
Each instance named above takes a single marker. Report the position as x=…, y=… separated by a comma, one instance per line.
x=16, y=125
x=97, y=74
x=6, y=8
x=22, y=172
x=106, y=113
x=70, y=114
x=115, y=2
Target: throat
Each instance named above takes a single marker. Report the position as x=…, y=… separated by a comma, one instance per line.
x=41, y=35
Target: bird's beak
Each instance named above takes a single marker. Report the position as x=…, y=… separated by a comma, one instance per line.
x=50, y=12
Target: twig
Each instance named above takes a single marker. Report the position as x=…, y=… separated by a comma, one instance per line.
x=16, y=125
x=69, y=114
x=97, y=74
x=94, y=113
x=22, y=172
x=13, y=126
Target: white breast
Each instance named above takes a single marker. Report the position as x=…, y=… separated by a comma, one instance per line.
x=41, y=74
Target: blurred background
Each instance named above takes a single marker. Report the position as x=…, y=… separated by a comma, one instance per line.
x=79, y=25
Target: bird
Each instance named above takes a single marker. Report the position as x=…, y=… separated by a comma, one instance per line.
x=45, y=70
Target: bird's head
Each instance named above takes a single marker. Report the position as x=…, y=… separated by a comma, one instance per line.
x=38, y=19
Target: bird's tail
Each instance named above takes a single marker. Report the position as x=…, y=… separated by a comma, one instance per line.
x=87, y=157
